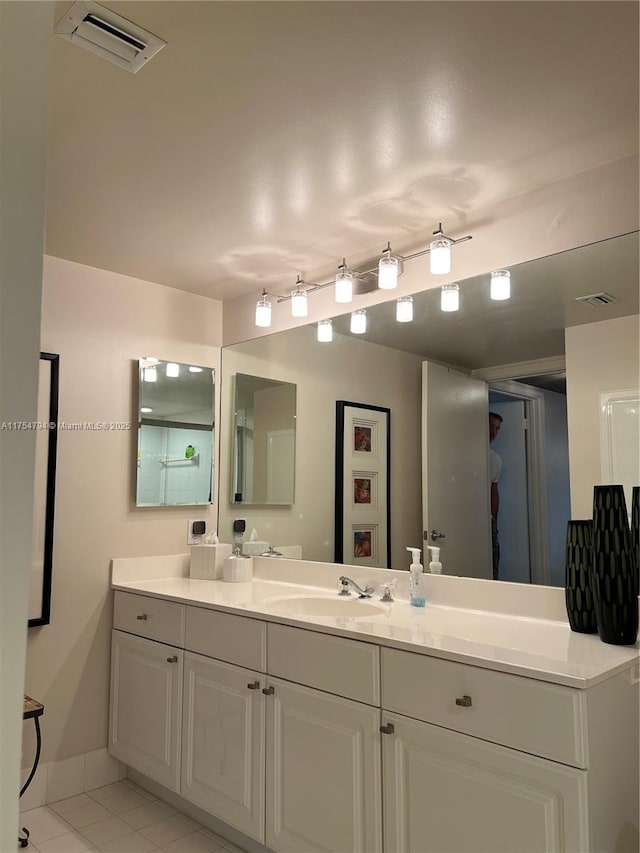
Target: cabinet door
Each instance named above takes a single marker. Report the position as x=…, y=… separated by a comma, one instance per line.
x=323, y=772
x=446, y=792
x=223, y=742
x=145, y=707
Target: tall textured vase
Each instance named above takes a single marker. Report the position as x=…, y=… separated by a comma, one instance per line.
x=578, y=569
x=614, y=568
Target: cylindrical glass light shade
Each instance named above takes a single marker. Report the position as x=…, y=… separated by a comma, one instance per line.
x=263, y=312
x=359, y=322
x=172, y=370
x=450, y=297
x=325, y=331
x=150, y=374
x=500, y=285
x=404, y=309
x=299, y=303
x=344, y=287
x=440, y=256
x=387, y=272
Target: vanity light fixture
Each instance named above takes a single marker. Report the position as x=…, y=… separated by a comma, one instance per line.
x=344, y=284
x=325, y=331
x=358, y=322
x=387, y=270
x=172, y=370
x=299, y=301
x=150, y=374
x=404, y=309
x=263, y=311
x=500, y=285
x=450, y=297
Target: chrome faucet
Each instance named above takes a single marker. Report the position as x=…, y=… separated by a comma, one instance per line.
x=346, y=582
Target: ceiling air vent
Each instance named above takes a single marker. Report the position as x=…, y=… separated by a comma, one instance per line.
x=108, y=35
x=597, y=299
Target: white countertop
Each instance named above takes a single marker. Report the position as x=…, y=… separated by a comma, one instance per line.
x=545, y=649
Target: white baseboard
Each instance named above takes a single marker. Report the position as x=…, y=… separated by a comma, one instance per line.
x=57, y=780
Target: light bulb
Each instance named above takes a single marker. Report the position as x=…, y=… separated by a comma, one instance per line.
x=194, y=369
x=344, y=287
x=450, y=297
x=387, y=272
x=299, y=304
x=359, y=322
x=404, y=309
x=150, y=374
x=172, y=370
x=263, y=311
x=440, y=256
x=145, y=410
x=325, y=331
x=500, y=285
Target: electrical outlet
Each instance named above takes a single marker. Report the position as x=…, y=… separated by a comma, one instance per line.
x=195, y=531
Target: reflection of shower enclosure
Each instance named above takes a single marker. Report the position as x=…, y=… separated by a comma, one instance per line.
x=174, y=465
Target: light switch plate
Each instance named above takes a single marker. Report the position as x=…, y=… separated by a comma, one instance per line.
x=196, y=524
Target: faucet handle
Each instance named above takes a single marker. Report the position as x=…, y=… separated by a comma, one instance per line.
x=343, y=586
x=385, y=590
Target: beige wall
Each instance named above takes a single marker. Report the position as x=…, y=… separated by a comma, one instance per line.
x=24, y=50
x=600, y=357
x=376, y=376
x=101, y=323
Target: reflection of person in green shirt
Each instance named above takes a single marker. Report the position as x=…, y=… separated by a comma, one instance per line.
x=190, y=451
x=495, y=466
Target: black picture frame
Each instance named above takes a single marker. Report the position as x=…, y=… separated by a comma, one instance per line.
x=341, y=547
x=46, y=502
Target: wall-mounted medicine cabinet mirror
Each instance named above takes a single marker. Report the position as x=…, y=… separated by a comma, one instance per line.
x=264, y=441
x=175, y=459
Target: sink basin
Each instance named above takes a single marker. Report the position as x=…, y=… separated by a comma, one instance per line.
x=322, y=606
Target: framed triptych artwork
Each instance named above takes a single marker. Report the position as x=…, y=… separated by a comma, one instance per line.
x=362, y=485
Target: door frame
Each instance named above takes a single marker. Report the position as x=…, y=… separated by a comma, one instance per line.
x=502, y=378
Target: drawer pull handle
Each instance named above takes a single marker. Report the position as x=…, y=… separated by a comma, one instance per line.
x=388, y=729
x=268, y=691
x=173, y=659
x=142, y=616
x=253, y=685
x=464, y=701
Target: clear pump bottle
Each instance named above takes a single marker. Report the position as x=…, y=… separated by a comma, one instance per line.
x=416, y=583
x=435, y=566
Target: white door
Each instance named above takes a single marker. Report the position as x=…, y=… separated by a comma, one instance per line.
x=223, y=742
x=145, y=707
x=455, y=470
x=446, y=792
x=323, y=773
x=513, y=516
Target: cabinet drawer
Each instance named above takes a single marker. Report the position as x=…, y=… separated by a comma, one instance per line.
x=235, y=639
x=149, y=617
x=534, y=716
x=344, y=667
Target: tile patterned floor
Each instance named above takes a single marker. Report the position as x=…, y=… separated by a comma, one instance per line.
x=119, y=818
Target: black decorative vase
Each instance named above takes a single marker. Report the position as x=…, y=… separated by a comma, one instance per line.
x=635, y=527
x=578, y=590
x=614, y=576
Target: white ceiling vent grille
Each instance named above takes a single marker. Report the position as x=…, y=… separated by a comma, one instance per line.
x=597, y=299
x=108, y=35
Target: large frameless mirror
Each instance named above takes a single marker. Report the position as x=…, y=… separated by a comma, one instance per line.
x=264, y=430
x=175, y=457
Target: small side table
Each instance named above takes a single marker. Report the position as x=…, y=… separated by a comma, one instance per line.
x=31, y=710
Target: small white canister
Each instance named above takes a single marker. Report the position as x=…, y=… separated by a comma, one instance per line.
x=238, y=568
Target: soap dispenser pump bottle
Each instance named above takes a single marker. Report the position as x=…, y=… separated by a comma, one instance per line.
x=435, y=566
x=416, y=589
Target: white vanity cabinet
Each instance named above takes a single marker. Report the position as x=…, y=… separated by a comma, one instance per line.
x=146, y=707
